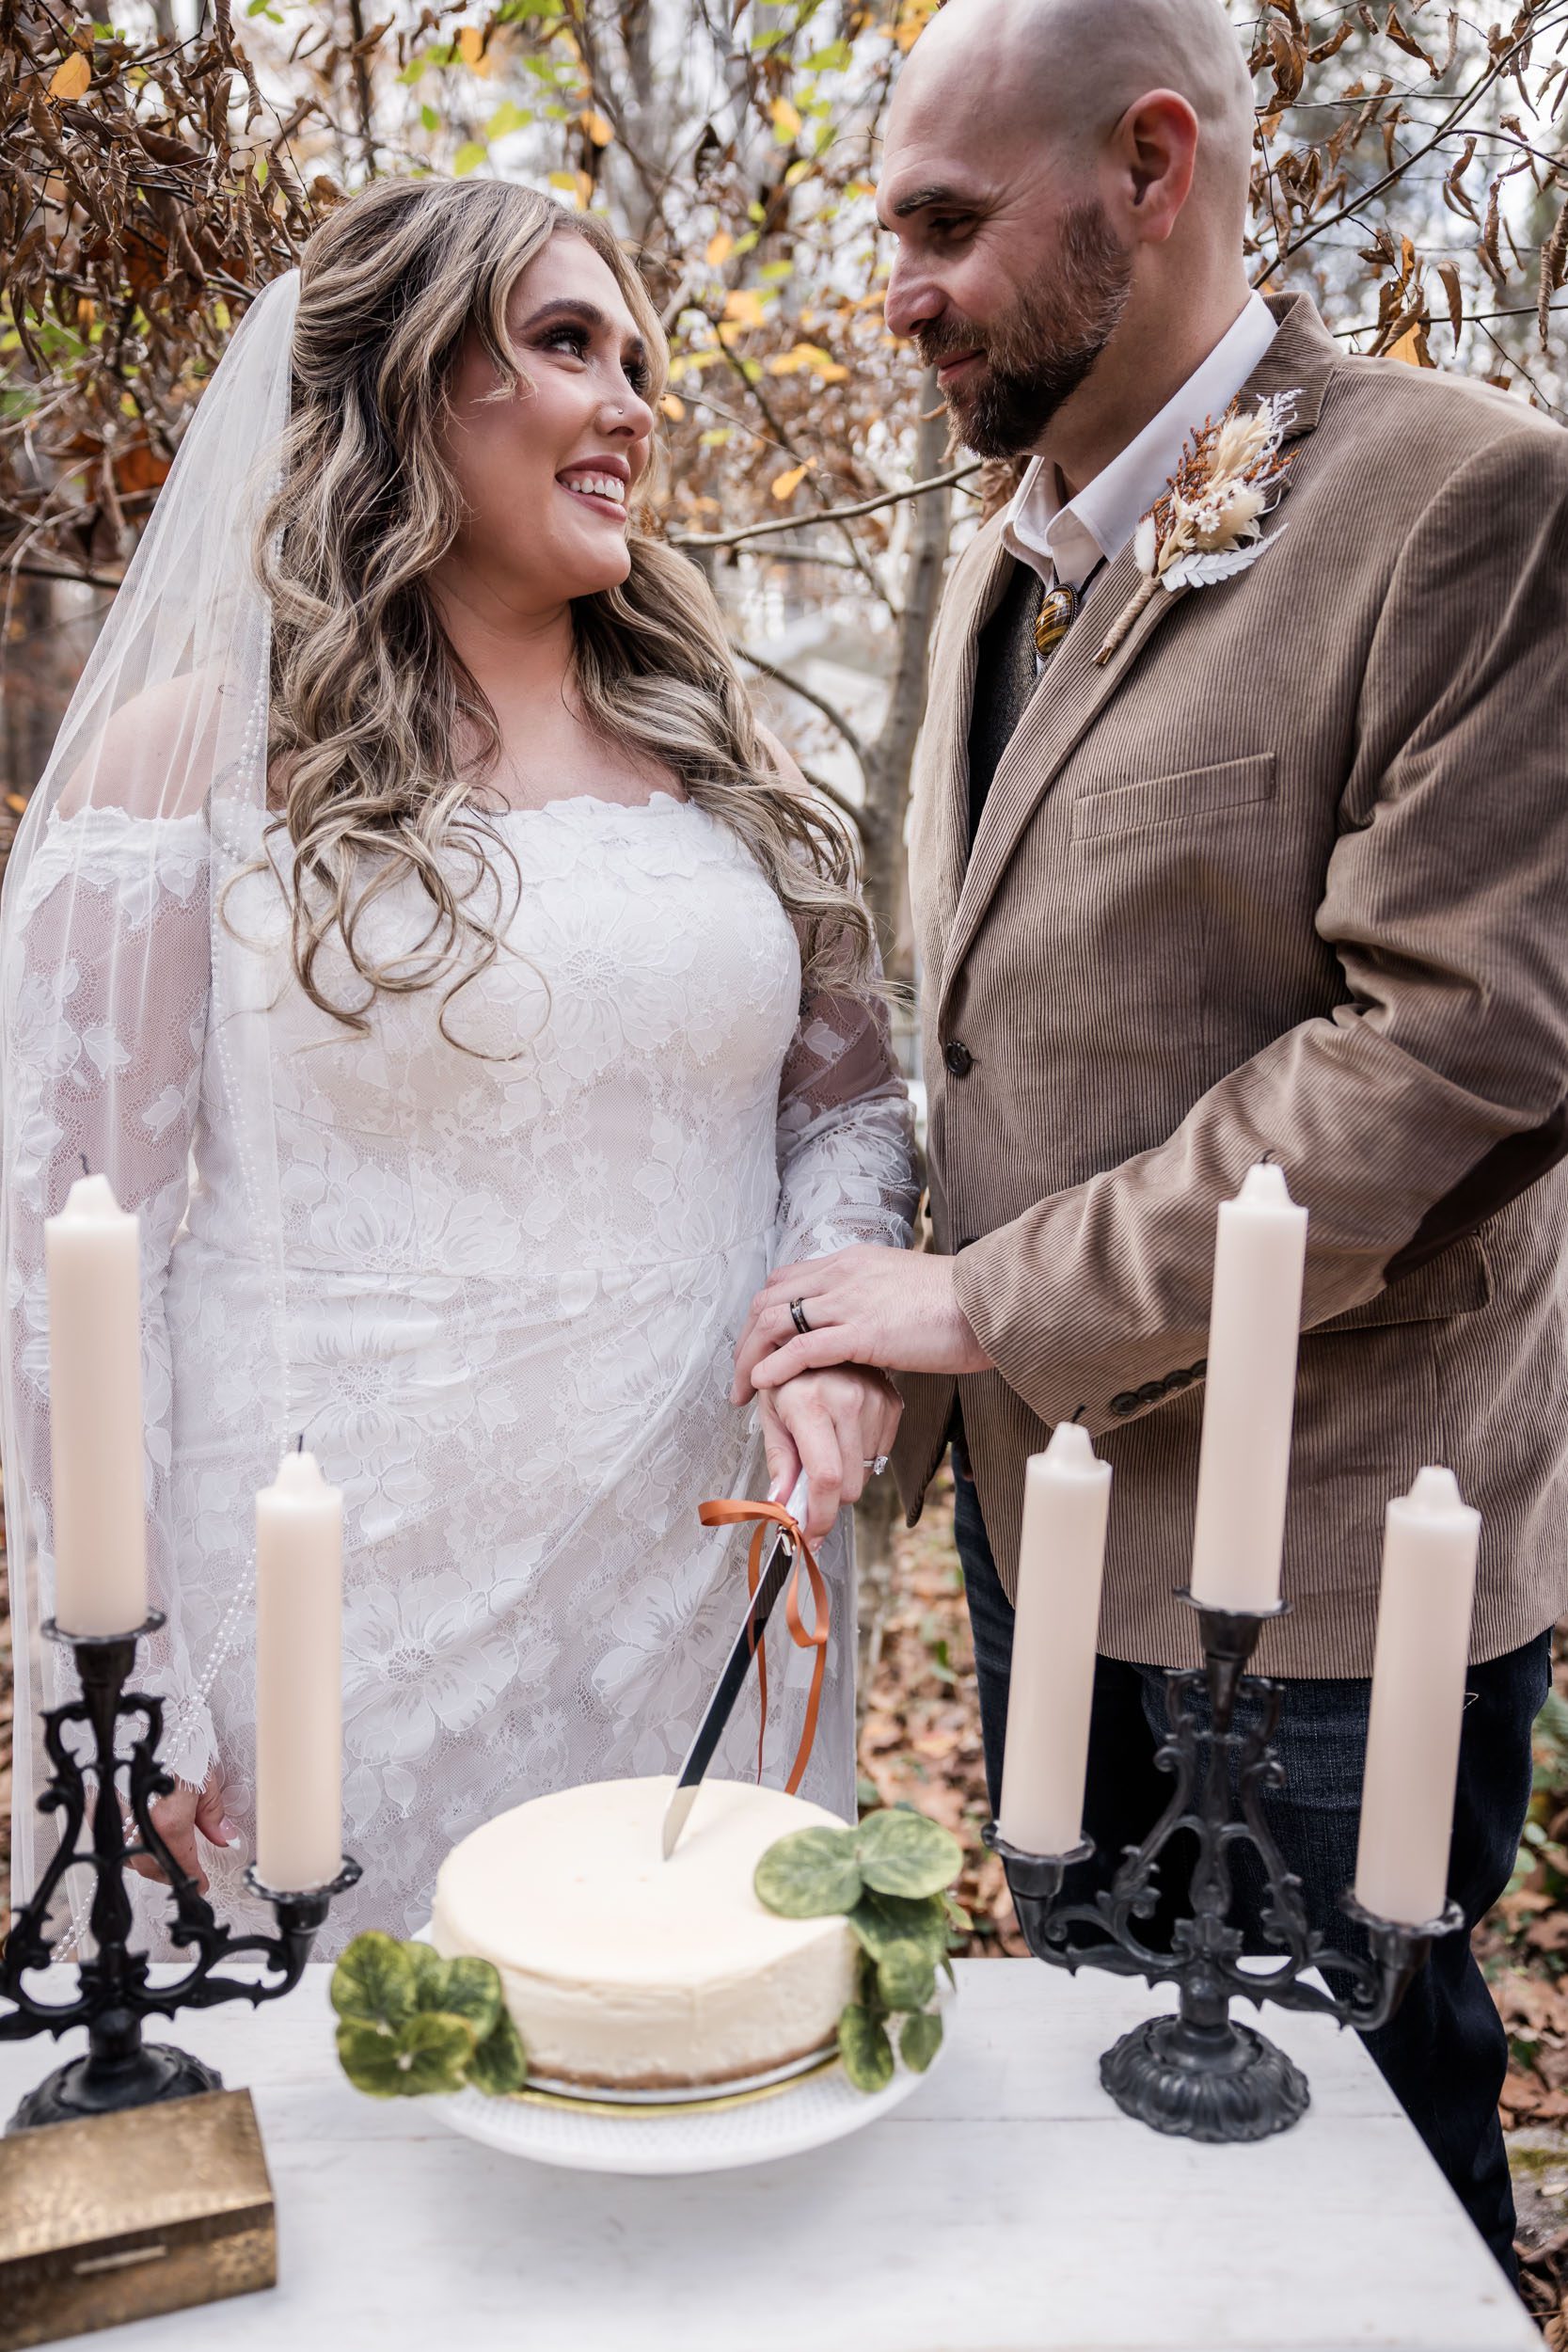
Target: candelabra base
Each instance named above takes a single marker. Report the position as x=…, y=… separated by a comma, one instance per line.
x=93, y=2085
x=1204, y=2082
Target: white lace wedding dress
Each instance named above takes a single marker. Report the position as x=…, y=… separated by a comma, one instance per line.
x=512, y=1279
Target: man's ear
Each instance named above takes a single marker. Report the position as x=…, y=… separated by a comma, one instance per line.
x=1154, y=147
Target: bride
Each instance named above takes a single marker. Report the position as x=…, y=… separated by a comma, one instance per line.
x=418, y=930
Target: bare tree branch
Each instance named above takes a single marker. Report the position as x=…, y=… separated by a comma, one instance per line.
x=828, y=515
x=807, y=694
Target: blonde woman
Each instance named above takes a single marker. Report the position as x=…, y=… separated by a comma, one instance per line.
x=419, y=931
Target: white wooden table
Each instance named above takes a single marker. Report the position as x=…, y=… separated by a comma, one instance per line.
x=1007, y=2207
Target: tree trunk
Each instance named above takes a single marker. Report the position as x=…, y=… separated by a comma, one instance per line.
x=890, y=758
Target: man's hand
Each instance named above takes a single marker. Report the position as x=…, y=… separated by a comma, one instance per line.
x=893, y=1307
x=834, y=1425
x=179, y=1816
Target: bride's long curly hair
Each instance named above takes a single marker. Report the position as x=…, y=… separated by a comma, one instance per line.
x=383, y=747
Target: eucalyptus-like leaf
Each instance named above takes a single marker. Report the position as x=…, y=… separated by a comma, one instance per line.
x=920, y=2040
x=809, y=1874
x=463, y=1987
x=374, y=1983
x=904, y=1853
x=889, y=1922
x=905, y=1978
x=866, y=2051
x=430, y=2052
x=501, y=2063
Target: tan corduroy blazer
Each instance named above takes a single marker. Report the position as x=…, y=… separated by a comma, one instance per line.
x=1289, y=875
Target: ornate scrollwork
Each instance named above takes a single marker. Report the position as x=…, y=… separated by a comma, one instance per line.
x=115, y=1991
x=1200, y=2072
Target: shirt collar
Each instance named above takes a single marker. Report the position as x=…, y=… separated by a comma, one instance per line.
x=1064, y=542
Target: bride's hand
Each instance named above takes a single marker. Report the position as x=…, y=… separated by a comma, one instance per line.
x=178, y=1818
x=833, y=1425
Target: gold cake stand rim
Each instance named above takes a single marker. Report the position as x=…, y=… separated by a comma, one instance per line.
x=568, y=2103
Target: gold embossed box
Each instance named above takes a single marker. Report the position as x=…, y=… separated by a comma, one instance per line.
x=124, y=2216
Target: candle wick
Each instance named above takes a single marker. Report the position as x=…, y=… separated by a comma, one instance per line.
x=1267, y=1160
x=83, y=1157
x=299, y=1443
x=1079, y=1414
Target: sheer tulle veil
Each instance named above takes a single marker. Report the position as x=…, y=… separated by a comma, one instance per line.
x=105, y=960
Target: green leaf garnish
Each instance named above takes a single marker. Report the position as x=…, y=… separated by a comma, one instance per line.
x=883, y=1920
x=374, y=1981
x=500, y=2064
x=809, y=1874
x=920, y=2040
x=866, y=2051
x=906, y=1980
x=429, y=2051
x=412, y=2021
x=904, y=1853
x=462, y=1988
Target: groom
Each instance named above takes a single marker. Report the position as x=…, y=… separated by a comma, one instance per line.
x=1284, y=870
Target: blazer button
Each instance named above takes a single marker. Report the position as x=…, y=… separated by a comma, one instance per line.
x=959, y=1058
x=1124, y=1404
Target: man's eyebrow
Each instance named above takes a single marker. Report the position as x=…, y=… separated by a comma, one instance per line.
x=919, y=200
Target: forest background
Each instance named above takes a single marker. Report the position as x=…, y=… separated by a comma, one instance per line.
x=162, y=160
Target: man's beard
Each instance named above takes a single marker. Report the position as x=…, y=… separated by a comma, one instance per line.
x=1037, y=354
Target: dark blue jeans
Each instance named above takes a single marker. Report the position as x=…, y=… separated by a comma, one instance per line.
x=1444, y=2053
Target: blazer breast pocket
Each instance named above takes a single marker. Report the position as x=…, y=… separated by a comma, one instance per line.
x=1121, y=808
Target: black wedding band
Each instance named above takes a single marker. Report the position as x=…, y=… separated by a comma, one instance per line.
x=798, y=1316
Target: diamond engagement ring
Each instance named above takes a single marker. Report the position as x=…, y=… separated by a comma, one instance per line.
x=798, y=1316
x=877, y=1467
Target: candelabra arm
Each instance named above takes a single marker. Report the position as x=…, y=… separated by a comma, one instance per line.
x=114, y=1990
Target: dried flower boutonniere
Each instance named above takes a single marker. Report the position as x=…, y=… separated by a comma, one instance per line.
x=1209, y=524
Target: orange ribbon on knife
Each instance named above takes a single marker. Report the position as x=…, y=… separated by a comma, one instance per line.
x=761, y=1516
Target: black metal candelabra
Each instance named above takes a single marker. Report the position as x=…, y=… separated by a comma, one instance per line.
x=1200, y=2072
x=114, y=1990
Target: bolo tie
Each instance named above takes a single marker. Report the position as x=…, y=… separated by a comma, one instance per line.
x=1053, y=619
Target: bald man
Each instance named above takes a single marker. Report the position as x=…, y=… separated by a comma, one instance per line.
x=1273, y=866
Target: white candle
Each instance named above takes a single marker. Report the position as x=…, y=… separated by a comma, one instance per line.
x=1253, y=1324
x=1424, y=1647
x=299, y=1707
x=98, y=1475
x=1066, y=1497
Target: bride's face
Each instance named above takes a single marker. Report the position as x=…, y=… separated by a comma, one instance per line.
x=546, y=475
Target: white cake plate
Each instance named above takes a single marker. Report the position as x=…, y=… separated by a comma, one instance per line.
x=718, y=2133
x=715, y=2134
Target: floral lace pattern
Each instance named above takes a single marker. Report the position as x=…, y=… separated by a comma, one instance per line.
x=515, y=1268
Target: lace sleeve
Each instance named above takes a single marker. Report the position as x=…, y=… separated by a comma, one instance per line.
x=846, y=1135
x=105, y=996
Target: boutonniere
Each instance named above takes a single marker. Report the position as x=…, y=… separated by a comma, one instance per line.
x=1210, y=522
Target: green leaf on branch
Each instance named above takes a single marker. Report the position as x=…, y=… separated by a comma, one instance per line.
x=465, y=1987
x=809, y=1874
x=920, y=2040
x=904, y=1853
x=430, y=2052
x=500, y=2065
x=866, y=2051
x=906, y=1980
x=374, y=1982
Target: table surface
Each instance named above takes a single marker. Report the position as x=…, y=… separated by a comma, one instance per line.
x=1008, y=2206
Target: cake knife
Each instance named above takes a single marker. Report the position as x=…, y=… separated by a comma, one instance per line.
x=770, y=1584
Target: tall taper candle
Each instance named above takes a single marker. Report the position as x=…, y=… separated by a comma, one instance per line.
x=98, y=1475
x=1254, y=1323
x=1423, y=1647
x=1066, y=1497
x=299, y=1706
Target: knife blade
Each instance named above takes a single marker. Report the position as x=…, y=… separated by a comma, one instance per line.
x=770, y=1584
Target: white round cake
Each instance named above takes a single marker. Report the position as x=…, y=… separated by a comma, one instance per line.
x=624, y=1971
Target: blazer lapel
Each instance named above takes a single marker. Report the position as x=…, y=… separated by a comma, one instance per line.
x=1073, y=689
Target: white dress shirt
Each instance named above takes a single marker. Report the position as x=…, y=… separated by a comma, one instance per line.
x=1064, y=543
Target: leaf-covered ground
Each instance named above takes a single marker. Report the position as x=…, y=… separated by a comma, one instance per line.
x=920, y=1741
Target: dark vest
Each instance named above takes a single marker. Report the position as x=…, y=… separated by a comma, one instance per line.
x=1005, y=679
